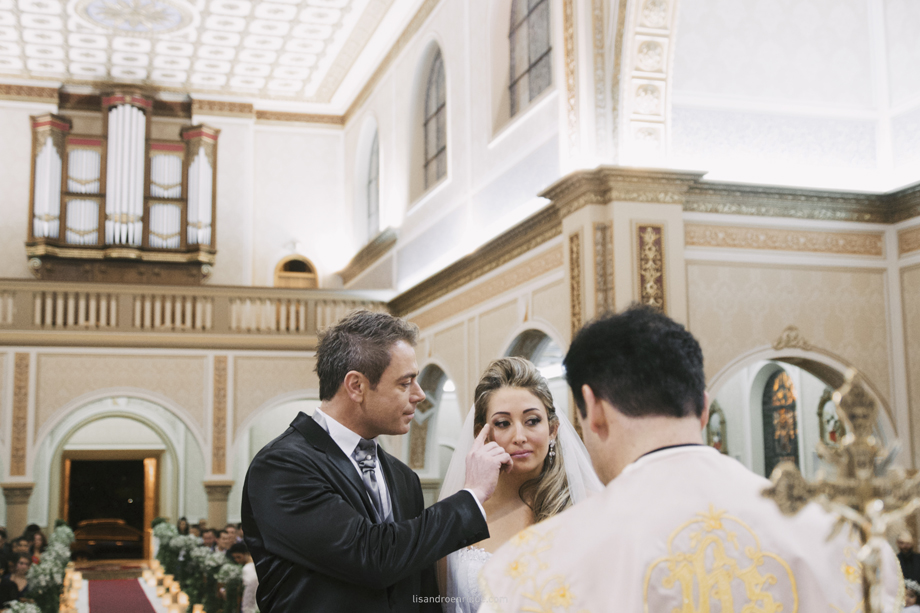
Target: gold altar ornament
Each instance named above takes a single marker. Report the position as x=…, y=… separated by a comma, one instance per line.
x=864, y=492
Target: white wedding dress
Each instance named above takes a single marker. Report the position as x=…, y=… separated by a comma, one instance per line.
x=463, y=566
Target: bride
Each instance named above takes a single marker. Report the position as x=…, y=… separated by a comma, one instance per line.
x=551, y=469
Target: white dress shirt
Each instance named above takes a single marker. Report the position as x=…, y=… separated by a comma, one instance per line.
x=347, y=440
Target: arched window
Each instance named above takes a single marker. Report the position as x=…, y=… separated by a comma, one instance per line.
x=547, y=356
x=780, y=428
x=295, y=271
x=373, y=191
x=435, y=123
x=529, y=40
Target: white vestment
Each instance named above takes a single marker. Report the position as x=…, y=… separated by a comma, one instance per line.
x=682, y=530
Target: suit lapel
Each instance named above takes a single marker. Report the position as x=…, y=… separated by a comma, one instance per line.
x=395, y=489
x=320, y=439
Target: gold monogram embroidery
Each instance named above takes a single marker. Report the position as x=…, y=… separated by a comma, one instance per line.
x=717, y=558
x=539, y=592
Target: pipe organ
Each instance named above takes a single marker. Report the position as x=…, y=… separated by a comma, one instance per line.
x=118, y=194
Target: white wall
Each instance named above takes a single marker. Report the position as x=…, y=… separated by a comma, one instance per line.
x=495, y=167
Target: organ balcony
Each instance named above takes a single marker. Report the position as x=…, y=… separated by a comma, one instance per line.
x=109, y=203
x=128, y=315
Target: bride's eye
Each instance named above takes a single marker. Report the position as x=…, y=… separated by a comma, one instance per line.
x=534, y=421
x=500, y=424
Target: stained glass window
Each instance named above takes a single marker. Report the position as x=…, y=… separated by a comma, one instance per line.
x=373, y=191
x=780, y=428
x=531, y=70
x=435, y=123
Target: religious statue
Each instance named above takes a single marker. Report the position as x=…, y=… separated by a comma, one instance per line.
x=865, y=493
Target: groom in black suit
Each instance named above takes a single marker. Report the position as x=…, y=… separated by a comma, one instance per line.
x=333, y=522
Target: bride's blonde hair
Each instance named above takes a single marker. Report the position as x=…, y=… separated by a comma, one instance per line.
x=547, y=494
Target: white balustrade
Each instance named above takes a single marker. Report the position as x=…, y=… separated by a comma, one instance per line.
x=159, y=312
x=73, y=310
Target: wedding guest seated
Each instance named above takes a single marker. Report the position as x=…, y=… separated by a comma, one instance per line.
x=234, y=533
x=209, y=539
x=240, y=554
x=909, y=559
x=15, y=586
x=39, y=544
x=6, y=552
x=182, y=526
x=224, y=541
x=19, y=546
x=911, y=596
x=194, y=531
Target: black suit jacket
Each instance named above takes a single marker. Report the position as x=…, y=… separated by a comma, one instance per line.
x=308, y=523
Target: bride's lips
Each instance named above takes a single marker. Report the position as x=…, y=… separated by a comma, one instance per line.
x=517, y=455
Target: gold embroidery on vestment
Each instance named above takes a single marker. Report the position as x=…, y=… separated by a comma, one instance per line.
x=707, y=556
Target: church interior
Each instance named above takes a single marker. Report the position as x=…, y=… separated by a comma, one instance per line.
x=193, y=189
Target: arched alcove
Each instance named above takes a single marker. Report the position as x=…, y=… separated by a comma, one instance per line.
x=743, y=392
x=547, y=355
x=265, y=424
x=436, y=425
x=295, y=271
x=121, y=427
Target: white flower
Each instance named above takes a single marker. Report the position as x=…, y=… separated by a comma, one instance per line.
x=24, y=607
x=229, y=573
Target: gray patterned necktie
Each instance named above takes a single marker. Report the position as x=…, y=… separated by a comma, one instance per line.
x=365, y=454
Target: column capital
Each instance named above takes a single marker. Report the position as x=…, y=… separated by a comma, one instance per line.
x=218, y=489
x=17, y=492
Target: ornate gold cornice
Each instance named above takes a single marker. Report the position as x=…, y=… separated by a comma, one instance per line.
x=775, y=239
x=369, y=254
x=728, y=198
x=222, y=108
x=28, y=93
x=905, y=203
x=537, y=229
x=329, y=120
x=607, y=184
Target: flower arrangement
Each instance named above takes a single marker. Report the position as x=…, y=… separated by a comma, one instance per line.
x=164, y=532
x=46, y=579
x=23, y=607
x=230, y=576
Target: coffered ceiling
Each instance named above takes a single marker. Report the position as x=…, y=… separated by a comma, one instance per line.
x=298, y=51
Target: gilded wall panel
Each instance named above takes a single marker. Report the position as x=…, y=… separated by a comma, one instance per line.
x=63, y=377
x=733, y=309
x=256, y=380
x=449, y=347
x=550, y=304
x=910, y=290
x=494, y=328
x=525, y=271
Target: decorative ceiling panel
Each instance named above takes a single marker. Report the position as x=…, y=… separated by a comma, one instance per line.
x=297, y=50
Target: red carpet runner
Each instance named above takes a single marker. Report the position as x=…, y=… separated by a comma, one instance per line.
x=118, y=596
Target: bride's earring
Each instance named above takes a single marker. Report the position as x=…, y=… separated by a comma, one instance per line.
x=552, y=450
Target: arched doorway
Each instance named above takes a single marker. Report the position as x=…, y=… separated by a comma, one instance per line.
x=125, y=438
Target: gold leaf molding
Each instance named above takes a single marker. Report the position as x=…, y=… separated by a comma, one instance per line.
x=909, y=240
x=845, y=243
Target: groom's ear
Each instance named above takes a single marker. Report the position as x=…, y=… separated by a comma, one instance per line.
x=596, y=417
x=355, y=386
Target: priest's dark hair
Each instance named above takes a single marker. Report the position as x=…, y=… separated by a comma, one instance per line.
x=640, y=361
x=360, y=342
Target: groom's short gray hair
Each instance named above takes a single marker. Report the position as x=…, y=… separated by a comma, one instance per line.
x=360, y=342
